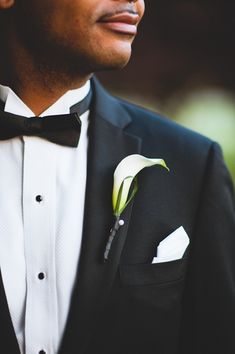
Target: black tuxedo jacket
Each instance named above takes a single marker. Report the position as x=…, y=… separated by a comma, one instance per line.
x=128, y=305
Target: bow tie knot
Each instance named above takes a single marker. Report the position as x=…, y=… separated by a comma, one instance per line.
x=32, y=125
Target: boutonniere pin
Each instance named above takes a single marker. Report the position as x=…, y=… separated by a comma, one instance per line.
x=125, y=187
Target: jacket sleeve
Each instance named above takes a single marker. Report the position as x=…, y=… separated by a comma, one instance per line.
x=208, y=321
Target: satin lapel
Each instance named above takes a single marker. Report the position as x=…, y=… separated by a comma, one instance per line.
x=8, y=339
x=109, y=144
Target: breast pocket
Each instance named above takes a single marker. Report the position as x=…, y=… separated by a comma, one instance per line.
x=148, y=300
x=153, y=274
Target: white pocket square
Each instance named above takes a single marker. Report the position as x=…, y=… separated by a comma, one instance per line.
x=172, y=247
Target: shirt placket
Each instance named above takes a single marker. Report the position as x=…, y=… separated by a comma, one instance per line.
x=41, y=322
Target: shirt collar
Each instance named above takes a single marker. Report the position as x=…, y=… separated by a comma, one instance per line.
x=13, y=104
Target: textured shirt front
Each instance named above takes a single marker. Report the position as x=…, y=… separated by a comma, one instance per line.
x=42, y=188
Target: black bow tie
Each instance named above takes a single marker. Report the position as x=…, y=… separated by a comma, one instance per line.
x=61, y=129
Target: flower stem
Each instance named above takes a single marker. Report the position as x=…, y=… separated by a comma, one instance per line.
x=112, y=234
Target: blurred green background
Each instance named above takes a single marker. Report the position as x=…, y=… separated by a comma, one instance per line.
x=183, y=67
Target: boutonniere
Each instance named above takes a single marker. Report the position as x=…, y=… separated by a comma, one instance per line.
x=125, y=187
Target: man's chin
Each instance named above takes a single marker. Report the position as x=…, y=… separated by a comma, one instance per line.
x=116, y=59
x=115, y=65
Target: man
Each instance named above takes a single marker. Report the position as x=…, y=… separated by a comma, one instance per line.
x=56, y=293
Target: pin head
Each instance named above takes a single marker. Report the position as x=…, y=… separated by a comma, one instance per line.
x=121, y=222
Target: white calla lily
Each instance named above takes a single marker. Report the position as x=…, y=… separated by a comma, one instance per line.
x=125, y=175
x=125, y=188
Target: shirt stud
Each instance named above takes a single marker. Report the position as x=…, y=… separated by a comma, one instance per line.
x=41, y=276
x=39, y=198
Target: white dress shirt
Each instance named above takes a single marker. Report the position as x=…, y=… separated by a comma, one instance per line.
x=42, y=192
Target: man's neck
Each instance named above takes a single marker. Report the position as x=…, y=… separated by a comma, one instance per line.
x=37, y=86
x=39, y=97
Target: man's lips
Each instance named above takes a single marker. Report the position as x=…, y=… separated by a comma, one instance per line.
x=125, y=22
